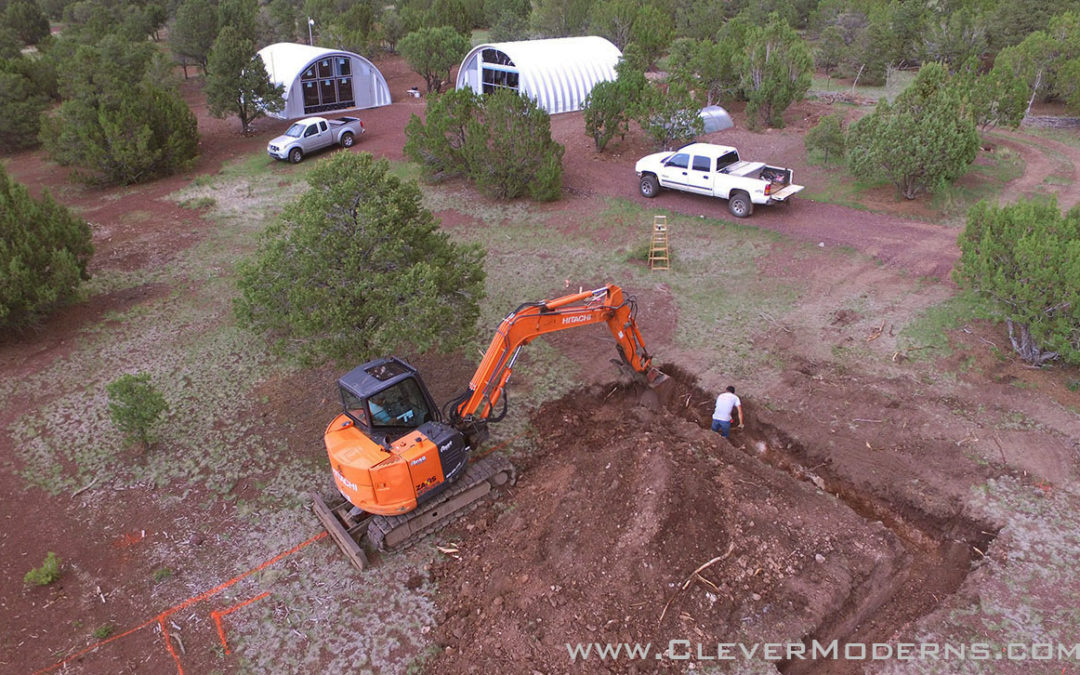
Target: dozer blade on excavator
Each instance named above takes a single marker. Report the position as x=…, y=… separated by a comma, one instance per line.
x=347, y=532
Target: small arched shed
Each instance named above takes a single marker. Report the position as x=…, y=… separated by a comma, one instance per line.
x=558, y=73
x=318, y=80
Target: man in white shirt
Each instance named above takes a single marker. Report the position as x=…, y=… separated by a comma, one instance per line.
x=721, y=417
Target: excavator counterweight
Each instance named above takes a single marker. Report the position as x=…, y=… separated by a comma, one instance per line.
x=402, y=465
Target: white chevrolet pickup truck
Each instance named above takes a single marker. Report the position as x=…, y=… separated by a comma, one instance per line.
x=715, y=171
x=314, y=133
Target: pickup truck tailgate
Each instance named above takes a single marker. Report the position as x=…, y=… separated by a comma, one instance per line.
x=785, y=193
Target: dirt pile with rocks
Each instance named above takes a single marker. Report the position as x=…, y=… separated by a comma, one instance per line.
x=599, y=542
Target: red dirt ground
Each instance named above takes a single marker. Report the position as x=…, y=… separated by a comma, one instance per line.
x=590, y=547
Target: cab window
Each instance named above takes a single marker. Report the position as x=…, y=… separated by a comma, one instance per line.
x=311, y=131
x=727, y=159
x=402, y=405
x=680, y=161
x=701, y=163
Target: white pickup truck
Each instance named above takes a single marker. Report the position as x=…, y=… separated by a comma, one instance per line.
x=716, y=171
x=314, y=133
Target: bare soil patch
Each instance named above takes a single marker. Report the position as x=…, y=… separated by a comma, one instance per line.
x=623, y=503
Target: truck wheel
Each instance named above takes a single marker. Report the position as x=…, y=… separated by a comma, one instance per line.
x=650, y=187
x=295, y=155
x=347, y=139
x=740, y=205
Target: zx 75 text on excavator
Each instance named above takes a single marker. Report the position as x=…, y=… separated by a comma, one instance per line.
x=402, y=464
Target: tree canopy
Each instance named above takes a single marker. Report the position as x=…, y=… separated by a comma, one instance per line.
x=432, y=52
x=1025, y=258
x=926, y=138
x=501, y=141
x=237, y=82
x=44, y=251
x=358, y=268
x=776, y=68
x=194, y=31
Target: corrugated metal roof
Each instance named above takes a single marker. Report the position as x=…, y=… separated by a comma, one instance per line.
x=557, y=73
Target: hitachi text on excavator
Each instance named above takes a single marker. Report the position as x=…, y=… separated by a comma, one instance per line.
x=402, y=465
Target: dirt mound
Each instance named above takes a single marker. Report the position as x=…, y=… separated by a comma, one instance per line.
x=613, y=516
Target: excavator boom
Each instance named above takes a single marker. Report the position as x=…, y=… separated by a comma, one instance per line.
x=531, y=320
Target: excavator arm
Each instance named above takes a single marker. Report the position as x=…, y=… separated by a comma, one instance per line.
x=531, y=320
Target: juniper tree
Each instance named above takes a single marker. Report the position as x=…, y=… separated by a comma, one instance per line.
x=357, y=267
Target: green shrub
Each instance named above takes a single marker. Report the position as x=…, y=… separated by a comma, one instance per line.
x=43, y=254
x=825, y=141
x=162, y=574
x=135, y=406
x=1025, y=258
x=46, y=574
x=22, y=99
x=670, y=118
x=501, y=141
x=122, y=121
x=102, y=632
x=927, y=138
x=357, y=267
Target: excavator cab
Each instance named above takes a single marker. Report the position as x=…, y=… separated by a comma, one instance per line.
x=390, y=449
x=387, y=397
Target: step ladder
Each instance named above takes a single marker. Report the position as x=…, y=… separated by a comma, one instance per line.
x=658, y=249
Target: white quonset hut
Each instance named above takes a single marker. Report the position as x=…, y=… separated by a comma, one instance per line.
x=319, y=80
x=558, y=73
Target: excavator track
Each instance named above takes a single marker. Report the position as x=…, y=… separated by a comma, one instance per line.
x=393, y=533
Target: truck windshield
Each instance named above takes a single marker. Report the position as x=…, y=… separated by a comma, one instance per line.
x=296, y=130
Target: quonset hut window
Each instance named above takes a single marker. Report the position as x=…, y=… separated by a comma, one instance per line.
x=497, y=71
x=499, y=79
x=328, y=85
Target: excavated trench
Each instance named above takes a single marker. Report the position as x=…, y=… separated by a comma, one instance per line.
x=619, y=504
x=939, y=552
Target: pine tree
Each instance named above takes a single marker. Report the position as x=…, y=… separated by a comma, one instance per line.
x=1025, y=258
x=357, y=267
x=777, y=69
x=44, y=251
x=432, y=52
x=237, y=82
x=925, y=139
x=194, y=31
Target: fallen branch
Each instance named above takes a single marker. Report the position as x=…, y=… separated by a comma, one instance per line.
x=877, y=332
x=774, y=322
x=860, y=419
x=1001, y=450
x=85, y=487
x=696, y=573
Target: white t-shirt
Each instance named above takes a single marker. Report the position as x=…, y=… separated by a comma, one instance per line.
x=724, y=404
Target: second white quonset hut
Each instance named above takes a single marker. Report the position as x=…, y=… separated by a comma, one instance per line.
x=319, y=80
x=558, y=73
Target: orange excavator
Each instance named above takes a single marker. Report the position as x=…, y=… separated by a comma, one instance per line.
x=402, y=465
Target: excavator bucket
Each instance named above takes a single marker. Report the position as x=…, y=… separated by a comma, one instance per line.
x=660, y=389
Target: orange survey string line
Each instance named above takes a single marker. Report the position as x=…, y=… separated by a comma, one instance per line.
x=160, y=618
x=218, y=613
